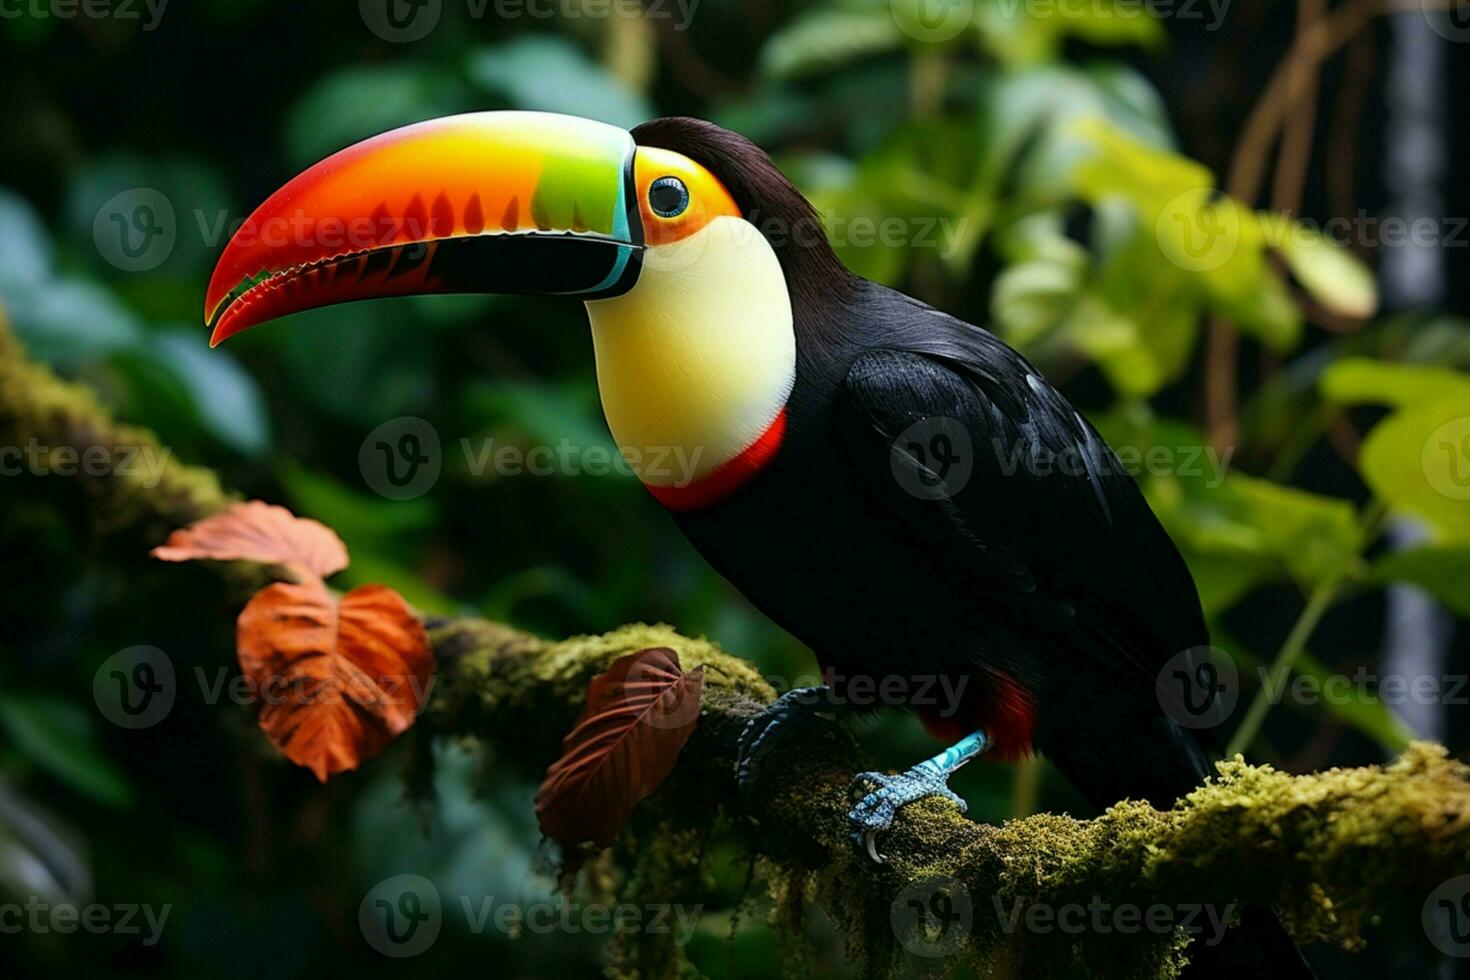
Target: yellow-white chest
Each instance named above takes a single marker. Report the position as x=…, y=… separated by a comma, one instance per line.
x=697, y=360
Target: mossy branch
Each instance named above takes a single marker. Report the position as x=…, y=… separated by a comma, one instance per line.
x=1332, y=852
x=44, y=415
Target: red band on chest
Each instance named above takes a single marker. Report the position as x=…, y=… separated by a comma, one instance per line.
x=726, y=478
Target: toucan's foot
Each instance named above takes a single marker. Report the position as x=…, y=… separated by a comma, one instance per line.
x=792, y=711
x=874, y=813
x=886, y=794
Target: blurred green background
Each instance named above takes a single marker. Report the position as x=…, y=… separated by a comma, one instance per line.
x=1044, y=170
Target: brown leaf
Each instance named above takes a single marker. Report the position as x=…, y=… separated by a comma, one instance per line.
x=638, y=716
x=337, y=680
x=257, y=531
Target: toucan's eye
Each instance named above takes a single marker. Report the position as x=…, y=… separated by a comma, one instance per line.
x=668, y=197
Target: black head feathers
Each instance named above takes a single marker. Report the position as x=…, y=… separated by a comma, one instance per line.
x=765, y=197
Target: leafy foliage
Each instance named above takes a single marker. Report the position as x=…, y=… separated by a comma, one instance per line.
x=337, y=679
x=1063, y=210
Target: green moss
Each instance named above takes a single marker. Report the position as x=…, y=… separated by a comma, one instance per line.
x=38, y=407
x=1332, y=851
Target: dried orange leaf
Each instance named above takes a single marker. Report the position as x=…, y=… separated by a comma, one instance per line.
x=638, y=716
x=257, y=531
x=337, y=680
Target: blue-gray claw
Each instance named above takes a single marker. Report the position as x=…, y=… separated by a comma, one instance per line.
x=791, y=711
x=875, y=812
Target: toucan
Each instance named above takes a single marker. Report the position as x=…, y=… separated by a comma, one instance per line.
x=897, y=488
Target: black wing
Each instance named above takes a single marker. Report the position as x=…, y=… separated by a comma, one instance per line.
x=1054, y=530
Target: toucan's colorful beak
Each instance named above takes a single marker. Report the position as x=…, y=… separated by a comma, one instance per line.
x=508, y=202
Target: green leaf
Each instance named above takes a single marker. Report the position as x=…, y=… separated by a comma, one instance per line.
x=363, y=520
x=1132, y=102
x=1026, y=33
x=1316, y=537
x=25, y=247
x=1029, y=298
x=1057, y=113
x=1214, y=241
x=72, y=322
x=1265, y=311
x=826, y=39
x=1329, y=272
x=225, y=398
x=1444, y=572
x=1120, y=165
x=551, y=74
x=1371, y=716
x=1362, y=380
x=1418, y=460
x=58, y=736
x=1223, y=581
x=1236, y=531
